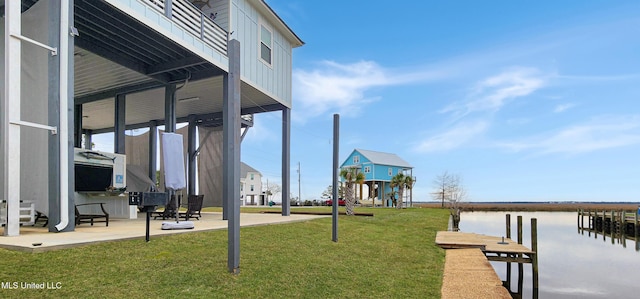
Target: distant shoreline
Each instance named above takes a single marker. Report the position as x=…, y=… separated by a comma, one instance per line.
x=538, y=206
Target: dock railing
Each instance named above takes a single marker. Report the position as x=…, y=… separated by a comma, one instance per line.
x=193, y=20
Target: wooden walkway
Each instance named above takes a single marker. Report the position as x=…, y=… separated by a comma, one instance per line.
x=466, y=246
x=468, y=274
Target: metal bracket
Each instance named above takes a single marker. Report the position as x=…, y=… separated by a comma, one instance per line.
x=54, y=51
x=54, y=130
x=73, y=31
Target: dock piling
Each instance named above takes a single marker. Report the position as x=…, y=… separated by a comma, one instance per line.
x=520, y=265
x=508, y=282
x=534, y=256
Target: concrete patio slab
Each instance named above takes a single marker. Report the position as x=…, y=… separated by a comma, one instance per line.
x=38, y=239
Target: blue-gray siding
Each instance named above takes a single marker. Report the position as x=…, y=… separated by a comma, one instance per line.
x=274, y=80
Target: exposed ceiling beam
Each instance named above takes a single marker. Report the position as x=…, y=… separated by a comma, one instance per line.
x=119, y=59
x=264, y=108
x=210, y=72
x=111, y=93
x=209, y=119
x=175, y=65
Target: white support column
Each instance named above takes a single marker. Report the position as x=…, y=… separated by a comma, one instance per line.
x=11, y=134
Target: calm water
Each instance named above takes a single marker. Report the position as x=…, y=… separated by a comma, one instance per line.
x=571, y=264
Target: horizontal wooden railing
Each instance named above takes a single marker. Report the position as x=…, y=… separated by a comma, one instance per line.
x=191, y=19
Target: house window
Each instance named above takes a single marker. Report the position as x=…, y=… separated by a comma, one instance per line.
x=252, y=176
x=367, y=169
x=356, y=159
x=390, y=172
x=265, y=44
x=251, y=187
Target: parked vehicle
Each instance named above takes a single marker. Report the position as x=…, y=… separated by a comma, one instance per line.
x=340, y=202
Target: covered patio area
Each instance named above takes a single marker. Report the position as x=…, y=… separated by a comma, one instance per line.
x=37, y=238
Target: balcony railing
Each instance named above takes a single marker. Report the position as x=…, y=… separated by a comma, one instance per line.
x=191, y=19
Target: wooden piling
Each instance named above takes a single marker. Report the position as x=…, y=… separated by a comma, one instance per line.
x=622, y=226
x=604, y=236
x=591, y=224
x=579, y=217
x=635, y=229
x=520, y=265
x=534, y=256
x=635, y=224
x=612, y=227
x=508, y=282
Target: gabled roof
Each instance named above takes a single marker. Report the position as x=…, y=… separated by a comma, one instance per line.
x=384, y=158
x=279, y=23
x=244, y=169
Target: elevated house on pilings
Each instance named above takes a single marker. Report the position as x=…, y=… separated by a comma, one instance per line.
x=74, y=68
x=378, y=169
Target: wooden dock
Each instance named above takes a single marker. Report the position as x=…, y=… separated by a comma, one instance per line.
x=496, y=249
x=617, y=225
x=468, y=274
x=610, y=222
x=493, y=249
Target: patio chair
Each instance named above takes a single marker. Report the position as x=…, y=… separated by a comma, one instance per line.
x=169, y=209
x=82, y=217
x=194, y=205
x=41, y=217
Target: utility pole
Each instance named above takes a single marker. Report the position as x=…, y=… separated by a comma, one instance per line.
x=299, y=198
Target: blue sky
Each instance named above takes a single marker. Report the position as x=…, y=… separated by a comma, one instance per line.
x=531, y=101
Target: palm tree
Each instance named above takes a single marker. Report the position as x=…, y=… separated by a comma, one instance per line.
x=402, y=182
x=351, y=177
x=392, y=196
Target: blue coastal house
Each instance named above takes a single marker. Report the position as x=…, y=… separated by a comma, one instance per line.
x=378, y=169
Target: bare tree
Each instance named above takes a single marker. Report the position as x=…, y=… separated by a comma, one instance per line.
x=441, y=184
x=271, y=190
x=449, y=189
x=328, y=193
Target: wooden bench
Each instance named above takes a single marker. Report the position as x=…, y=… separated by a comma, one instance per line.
x=91, y=218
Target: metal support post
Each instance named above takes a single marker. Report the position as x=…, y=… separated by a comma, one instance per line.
x=286, y=160
x=231, y=155
x=119, y=127
x=334, y=172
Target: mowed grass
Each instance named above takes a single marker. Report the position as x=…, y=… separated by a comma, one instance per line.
x=390, y=255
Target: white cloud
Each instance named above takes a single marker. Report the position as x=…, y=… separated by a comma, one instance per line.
x=563, y=107
x=493, y=93
x=453, y=138
x=598, y=134
x=334, y=87
x=488, y=95
x=261, y=131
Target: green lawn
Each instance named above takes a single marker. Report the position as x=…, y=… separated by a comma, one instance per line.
x=390, y=255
